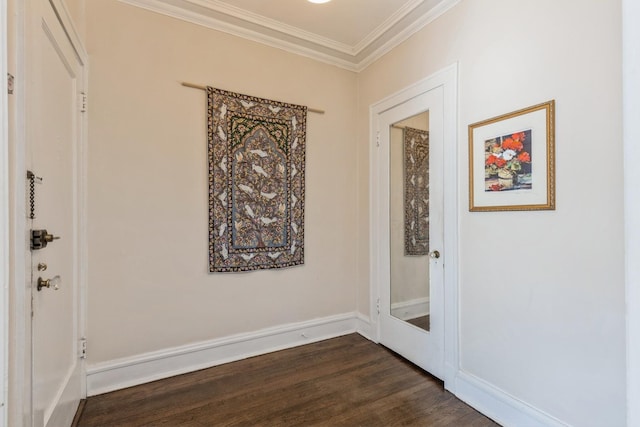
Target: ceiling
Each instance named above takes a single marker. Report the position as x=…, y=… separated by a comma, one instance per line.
x=348, y=33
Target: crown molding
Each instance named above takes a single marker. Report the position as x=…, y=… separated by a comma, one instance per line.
x=431, y=15
x=387, y=25
x=220, y=16
x=246, y=33
x=272, y=24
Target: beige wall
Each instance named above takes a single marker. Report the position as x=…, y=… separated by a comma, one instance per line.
x=148, y=229
x=543, y=322
x=541, y=293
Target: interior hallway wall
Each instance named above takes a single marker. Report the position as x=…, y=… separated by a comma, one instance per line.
x=148, y=193
x=541, y=293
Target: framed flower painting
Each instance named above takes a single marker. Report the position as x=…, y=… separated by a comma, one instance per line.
x=512, y=161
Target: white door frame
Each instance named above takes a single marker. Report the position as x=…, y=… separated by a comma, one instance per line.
x=19, y=408
x=448, y=80
x=4, y=221
x=631, y=135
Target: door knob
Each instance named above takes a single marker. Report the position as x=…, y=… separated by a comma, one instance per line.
x=54, y=283
x=434, y=254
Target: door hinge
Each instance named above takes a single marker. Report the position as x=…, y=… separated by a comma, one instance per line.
x=10, y=83
x=378, y=139
x=378, y=305
x=83, y=348
x=82, y=101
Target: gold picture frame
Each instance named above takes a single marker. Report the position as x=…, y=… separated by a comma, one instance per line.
x=512, y=161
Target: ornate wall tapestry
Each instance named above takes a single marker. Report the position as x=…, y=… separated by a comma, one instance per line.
x=416, y=191
x=256, y=182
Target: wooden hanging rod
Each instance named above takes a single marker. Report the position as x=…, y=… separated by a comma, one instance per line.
x=404, y=127
x=195, y=86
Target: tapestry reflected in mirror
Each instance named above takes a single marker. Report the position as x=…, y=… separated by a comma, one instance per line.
x=409, y=219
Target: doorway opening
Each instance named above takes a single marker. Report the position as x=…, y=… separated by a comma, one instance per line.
x=416, y=243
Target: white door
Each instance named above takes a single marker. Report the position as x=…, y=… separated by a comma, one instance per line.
x=54, y=128
x=4, y=219
x=411, y=283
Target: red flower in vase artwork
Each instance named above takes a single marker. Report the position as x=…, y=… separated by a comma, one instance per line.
x=508, y=162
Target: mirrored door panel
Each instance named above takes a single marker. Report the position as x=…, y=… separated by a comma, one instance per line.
x=409, y=219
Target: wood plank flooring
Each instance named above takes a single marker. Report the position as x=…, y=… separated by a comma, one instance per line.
x=346, y=381
x=423, y=322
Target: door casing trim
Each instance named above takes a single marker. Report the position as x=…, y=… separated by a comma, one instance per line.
x=4, y=220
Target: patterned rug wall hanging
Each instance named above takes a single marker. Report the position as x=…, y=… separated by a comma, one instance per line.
x=256, y=182
x=416, y=191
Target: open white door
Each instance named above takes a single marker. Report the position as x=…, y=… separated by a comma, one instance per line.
x=420, y=341
x=53, y=134
x=422, y=327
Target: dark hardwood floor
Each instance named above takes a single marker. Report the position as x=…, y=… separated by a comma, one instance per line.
x=423, y=322
x=346, y=381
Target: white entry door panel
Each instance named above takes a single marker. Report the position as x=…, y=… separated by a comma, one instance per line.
x=54, y=128
x=424, y=345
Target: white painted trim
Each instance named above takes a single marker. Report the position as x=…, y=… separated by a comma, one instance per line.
x=410, y=309
x=433, y=14
x=499, y=405
x=80, y=181
x=387, y=25
x=20, y=407
x=272, y=33
x=83, y=216
x=248, y=34
x=60, y=7
x=363, y=326
x=451, y=227
x=272, y=24
x=5, y=261
x=631, y=136
x=143, y=368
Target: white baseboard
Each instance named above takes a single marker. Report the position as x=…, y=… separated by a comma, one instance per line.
x=121, y=373
x=411, y=309
x=118, y=374
x=363, y=326
x=499, y=405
